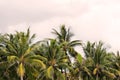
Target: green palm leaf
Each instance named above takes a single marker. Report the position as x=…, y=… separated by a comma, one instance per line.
x=50, y=72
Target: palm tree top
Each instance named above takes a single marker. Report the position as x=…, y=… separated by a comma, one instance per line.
x=64, y=34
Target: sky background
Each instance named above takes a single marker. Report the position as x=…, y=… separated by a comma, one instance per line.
x=91, y=20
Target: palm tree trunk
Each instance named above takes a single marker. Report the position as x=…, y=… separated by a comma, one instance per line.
x=65, y=74
x=97, y=77
x=61, y=70
x=21, y=78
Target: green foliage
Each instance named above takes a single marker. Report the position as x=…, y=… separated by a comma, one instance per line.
x=55, y=59
x=79, y=58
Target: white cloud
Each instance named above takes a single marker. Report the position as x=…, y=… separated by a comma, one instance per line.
x=89, y=19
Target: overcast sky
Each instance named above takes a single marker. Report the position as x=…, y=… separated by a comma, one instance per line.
x=92, y=20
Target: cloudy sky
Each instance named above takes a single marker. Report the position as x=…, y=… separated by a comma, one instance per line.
x=92, y=20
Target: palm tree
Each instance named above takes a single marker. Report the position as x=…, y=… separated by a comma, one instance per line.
x=64, y=40
x=19, y=50
x=3, y=58
x=98, y=61
x=56, y=59
x=116, y=65
x=79, y=70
